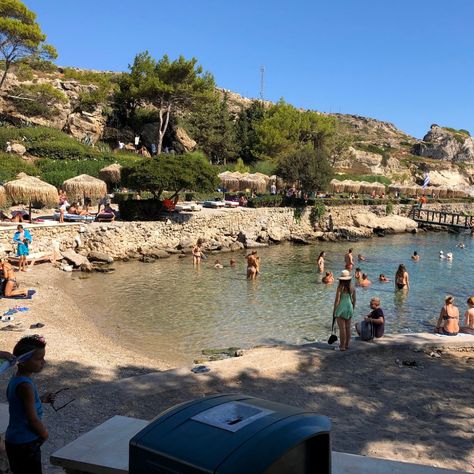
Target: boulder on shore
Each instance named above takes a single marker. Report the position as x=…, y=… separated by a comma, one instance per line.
x=76, y=259
x=95, y=256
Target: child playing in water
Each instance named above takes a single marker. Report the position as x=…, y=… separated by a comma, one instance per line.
x=218, y=264
x=26, y=432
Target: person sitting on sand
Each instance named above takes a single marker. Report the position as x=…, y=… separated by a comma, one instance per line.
x=253, y=265
x=358, y=275
x=218, y=264
x=365, y=280
x=197, y=252
x=23, y=239
x=448, y=321
x=383, y=278
x=415, y=257
x=402, y=279
x=469, y=317
x=328, y=278
x=376, y=317
x=10, y=285
x=361, y=258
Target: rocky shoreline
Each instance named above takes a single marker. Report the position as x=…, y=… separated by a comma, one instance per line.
x=90, y=246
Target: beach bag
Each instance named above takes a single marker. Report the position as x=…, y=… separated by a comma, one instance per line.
x=367, y=330
x=332, y=338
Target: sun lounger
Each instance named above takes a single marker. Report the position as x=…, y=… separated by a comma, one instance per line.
x=37, y=257
x=213, y=204
x=188, y=207
x=74, y=218
x=105, y=217
x=231, y=203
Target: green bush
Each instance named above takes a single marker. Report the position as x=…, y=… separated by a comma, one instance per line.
x=36, y=99
x=316, y=213
x=268, y=200
x=71, y=150
x=389, y=208
x=370, y=178
x=56, y=172
x=11, y=165
x=89, y=101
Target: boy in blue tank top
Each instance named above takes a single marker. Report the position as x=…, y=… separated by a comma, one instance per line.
x=26, y=432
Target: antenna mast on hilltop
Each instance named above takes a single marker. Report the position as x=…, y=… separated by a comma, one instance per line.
x=262, y=81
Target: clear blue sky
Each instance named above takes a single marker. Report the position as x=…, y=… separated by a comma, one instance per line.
x=410, y=62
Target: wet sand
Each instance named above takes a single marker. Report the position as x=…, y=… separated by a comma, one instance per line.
x=422, y=414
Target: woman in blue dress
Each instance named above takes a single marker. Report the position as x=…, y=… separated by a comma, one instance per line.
x=22, y=238
x=344, y=305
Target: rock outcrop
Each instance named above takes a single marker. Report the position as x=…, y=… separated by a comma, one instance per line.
x=446, y=144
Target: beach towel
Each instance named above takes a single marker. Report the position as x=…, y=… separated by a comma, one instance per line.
x=28, y=297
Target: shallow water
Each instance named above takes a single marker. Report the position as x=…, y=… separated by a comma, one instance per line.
x=171, y=311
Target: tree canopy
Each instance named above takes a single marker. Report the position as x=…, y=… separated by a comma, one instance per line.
x=173, y=173
x=165, y=84
x=20, y=35
x=308, y=168
x=284, y=129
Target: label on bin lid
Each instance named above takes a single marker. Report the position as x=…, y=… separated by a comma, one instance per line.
x=231, y=416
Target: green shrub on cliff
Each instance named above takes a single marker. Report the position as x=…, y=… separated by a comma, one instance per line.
x=12, y=164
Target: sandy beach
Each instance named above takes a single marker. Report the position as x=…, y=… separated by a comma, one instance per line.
x=378, y=406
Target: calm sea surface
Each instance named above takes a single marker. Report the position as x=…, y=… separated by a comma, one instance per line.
x=170, y=310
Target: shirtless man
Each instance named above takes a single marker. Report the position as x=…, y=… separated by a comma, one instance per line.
x=349, y=259
x=253, y=265
x=365, y=280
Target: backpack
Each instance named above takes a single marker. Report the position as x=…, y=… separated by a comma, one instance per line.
x=367, y=330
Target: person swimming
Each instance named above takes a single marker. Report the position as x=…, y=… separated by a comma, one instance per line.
x=383, y=278
x=328, y=278
x=415, y=257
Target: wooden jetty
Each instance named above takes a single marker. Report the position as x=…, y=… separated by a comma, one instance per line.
x=448, y=219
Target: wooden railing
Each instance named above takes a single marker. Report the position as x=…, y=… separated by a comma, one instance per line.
x=449, y=219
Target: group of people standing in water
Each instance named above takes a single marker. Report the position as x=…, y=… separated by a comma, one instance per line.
x=345, y=301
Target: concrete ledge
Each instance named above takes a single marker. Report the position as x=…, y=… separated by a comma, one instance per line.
x=104, y=450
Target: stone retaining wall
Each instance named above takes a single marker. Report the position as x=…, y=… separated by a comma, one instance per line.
x=223, y=230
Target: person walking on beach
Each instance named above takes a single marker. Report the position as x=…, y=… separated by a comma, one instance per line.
x=448, y=321
x=22, y=238
x=197, y=252
x=402, y=279
x=26, y=432
x=349, y=260
x=253, y=265
x=320, y=262
x=469, y=317
x=344, y=305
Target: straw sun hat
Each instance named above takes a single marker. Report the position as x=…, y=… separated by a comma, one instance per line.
x=345, y=275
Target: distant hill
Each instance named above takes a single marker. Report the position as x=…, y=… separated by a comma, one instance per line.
x=77, y=102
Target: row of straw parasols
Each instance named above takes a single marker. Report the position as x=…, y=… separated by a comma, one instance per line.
x=349, y=186
x=441, y=192
x=258, y=182
x=31, y=190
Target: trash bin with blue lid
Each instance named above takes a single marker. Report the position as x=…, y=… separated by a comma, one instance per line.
x=233, y=434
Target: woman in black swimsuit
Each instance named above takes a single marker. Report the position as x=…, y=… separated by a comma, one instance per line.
x=402, y=280
x=448, y=321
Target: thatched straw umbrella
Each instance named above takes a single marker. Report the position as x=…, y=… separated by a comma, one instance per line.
x=366, y=188
x=230, y=180
x=336, y=186
x=441, y=192
x=3, y=196
x=255, y=183
x=393, y=189
x=28, y=190
x=351, y=186
x=84, y=186
x=111, y=174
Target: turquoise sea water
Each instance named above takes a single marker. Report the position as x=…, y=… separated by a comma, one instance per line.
x=171, y=310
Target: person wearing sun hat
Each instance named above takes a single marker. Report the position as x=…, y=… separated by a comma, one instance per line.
x=344, y=305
